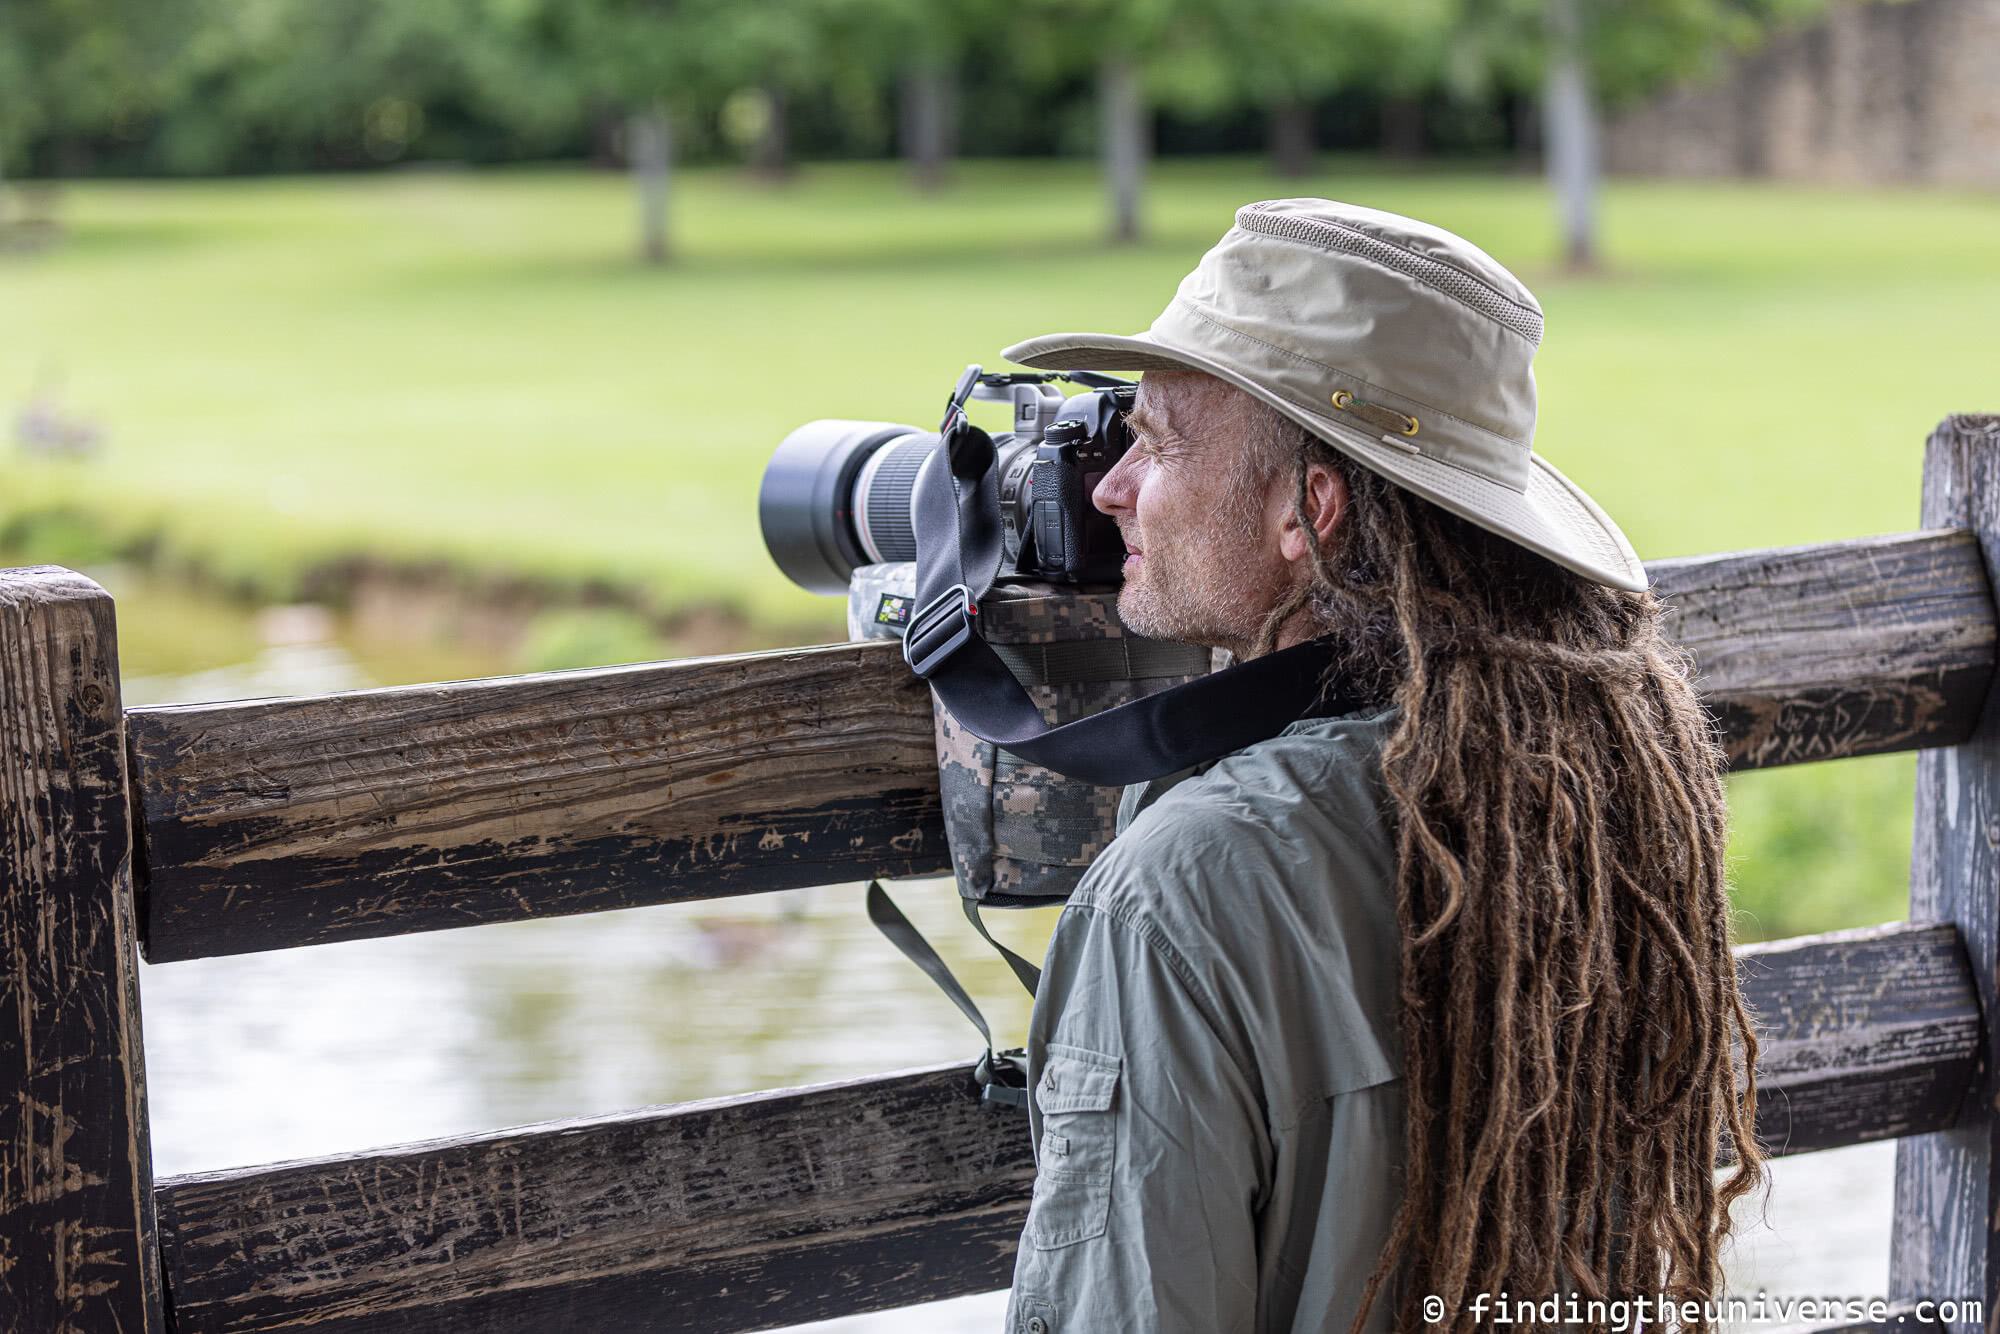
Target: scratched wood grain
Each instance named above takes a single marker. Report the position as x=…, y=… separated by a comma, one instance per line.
x=1863, y=1035
x=274, y=823
x=736, y=1214
x=76, y=1181
x=752, y=1212
x=1840, y=649
x=1946, y=1238
x=288, y=822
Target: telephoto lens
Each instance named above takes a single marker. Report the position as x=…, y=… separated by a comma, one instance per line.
x=836, y=494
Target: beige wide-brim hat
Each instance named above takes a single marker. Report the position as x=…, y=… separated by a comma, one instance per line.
x=1406, y=347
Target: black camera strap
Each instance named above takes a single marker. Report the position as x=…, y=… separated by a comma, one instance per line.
x=957, y=516
x=1002, y=1076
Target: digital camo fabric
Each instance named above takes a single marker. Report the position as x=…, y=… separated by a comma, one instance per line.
x=1021, y=835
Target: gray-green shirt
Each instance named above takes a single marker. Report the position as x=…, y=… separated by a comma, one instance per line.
x=1218, y=1102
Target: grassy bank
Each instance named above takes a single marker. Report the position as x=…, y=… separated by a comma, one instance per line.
x=466, y=369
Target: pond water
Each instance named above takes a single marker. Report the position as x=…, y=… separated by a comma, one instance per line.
x=343, y=1047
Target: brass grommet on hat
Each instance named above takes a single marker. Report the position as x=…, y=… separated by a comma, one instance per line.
x=1387, y=418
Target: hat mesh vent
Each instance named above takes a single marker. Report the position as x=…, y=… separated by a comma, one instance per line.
x=1455, y=283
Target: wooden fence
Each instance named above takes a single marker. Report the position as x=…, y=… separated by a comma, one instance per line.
x=189, y=831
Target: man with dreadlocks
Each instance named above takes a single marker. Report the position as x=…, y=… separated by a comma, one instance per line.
x=1432, y=998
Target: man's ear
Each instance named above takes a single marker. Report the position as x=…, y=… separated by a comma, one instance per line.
x=1326, y=503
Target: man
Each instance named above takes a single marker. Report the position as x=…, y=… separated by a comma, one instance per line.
x=1434, y=998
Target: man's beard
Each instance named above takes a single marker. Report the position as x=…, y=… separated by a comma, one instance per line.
x=1194, y=593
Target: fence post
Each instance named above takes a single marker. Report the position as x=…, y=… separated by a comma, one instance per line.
x=78, y=1252
x=1943, y=1244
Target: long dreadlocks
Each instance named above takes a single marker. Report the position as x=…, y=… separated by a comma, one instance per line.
x=1569, y=999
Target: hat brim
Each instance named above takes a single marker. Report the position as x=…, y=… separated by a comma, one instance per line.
x=1552, y=517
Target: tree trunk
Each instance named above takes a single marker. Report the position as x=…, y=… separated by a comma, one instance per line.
x=1292, y=140
x=1122, y=105
x=608, y=129
x=771, y=158
x=650, y=149
x=1569, y=120
x=1403, y=126
x=928, y=110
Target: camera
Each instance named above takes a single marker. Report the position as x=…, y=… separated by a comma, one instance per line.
x=838, y=494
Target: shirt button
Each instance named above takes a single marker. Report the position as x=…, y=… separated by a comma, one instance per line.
x=1037, y=1325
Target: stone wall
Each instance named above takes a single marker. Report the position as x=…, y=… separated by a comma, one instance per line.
x=1906, y=91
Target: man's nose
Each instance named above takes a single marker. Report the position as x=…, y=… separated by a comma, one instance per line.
x=1113, y=494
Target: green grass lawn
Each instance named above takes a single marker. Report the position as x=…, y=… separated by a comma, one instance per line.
x=469, y=367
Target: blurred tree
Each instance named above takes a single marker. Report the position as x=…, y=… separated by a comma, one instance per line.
x=1583, y=55
x=1286, y=56
x=1123, y=44
x=314, y=82
x=922, y=48
x=1570, y=129
x=663, y=64
x=543, y=64
x=1125, y=127
x=193, y=86
x=927, y=118
x=770, y=53
x=1207, y=57
x=645, y=57
x=72, y=69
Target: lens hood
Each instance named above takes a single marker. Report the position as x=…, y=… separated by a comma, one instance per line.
x=804, y=504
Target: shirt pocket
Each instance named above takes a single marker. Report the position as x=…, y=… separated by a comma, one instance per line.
x=1075, y=1094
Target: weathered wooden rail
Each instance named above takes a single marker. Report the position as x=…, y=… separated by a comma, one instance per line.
x=265, y=824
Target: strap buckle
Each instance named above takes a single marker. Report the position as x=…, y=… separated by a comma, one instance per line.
x=939, y=629
x=1002, y=1078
